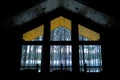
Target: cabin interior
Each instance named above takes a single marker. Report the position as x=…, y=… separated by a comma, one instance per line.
x=60, y=39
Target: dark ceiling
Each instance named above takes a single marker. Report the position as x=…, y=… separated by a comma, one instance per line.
x=110, y=7
x=11, y=7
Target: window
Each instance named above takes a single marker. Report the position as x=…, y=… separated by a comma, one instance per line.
x=31, y=53
x=60, y=54
x=60, y=57
x=89, y=55
x=31, y=56
x=61, y=47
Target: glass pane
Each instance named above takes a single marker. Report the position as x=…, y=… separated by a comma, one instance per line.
x=60, y=57
x=60, y=34
x=31, y=56
x=86, y=34
x=91, y=56
x=40, y=38
x=35, y=34
x=82, y=38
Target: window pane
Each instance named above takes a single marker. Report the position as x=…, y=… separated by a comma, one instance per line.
x=91, y=56
x=35, y=34
x=31, y=56
x=82, y=38
x=86, y=34
x=60, y=57
x=60, y=34
x=40, y=38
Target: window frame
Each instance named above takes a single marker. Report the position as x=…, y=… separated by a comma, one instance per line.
x=47, y=43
